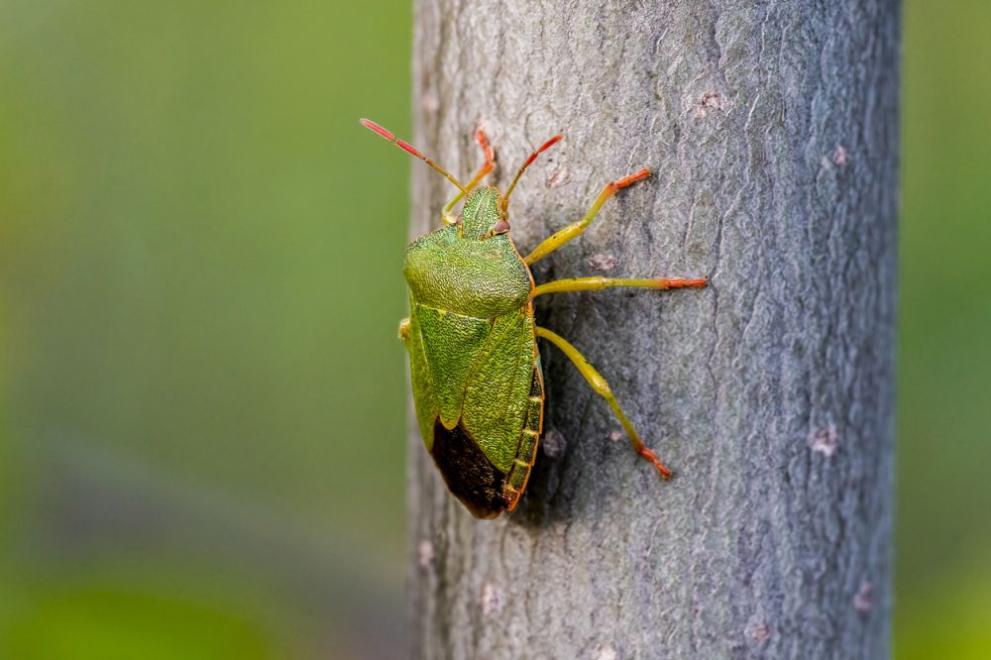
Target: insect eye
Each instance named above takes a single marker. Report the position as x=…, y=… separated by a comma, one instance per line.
x=500, y=227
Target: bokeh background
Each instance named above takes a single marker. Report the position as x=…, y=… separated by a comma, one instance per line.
x=201, y=394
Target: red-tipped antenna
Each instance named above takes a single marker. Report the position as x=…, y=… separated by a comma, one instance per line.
x=410, y=149
x=527, y=163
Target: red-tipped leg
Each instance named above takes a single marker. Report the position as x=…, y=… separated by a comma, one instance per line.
x=682, y=283
x=483, y=171
x=561, y=237
x=627, y=181
x=601, y=387
x=487, y=166
x=597, y=283
x=483, y=142
x=650, y=456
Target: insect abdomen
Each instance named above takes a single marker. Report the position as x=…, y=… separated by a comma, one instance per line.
x=484, y=489
x=526, y=451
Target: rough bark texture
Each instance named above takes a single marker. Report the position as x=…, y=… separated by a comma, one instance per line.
x=772, y=131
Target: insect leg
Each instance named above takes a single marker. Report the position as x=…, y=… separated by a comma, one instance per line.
x=404, y=330
x=596, y=283
x=559, y=238
x=483, y=142
x=487, y=166
x=601, y=387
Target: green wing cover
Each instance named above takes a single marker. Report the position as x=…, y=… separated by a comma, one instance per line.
x=475, y=370
x=451, y=343
x=498, y=389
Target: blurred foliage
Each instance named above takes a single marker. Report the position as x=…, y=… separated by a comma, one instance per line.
x=943, y=542
x=200, y=292
x=202, y=394
x=133, y=620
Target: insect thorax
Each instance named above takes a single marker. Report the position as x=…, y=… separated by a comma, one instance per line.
x=479, y=278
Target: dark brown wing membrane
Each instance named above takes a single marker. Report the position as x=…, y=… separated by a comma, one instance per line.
x=468, y=473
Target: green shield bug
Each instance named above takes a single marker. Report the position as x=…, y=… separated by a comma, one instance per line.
x=472, y=340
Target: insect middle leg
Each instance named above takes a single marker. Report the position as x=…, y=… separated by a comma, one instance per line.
x=601, y=387
x=597, y=283
x=559, y=238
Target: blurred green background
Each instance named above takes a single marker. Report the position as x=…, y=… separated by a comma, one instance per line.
x=202, y=397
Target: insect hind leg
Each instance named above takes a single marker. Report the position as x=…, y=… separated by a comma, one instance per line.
x=601, y=387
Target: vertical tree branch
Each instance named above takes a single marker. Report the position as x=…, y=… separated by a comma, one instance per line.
x=772, y=131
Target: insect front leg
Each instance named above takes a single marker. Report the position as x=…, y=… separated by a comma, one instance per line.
x=559, y=238
x=483, y=171
x=601, y=387
x=597, y=283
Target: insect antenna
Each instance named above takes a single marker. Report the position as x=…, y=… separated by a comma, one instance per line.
x=527, y=163
x=410, y=149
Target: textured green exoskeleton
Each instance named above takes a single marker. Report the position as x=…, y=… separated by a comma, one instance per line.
x=472, y=340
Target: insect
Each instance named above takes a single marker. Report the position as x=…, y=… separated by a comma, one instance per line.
x=474, y=366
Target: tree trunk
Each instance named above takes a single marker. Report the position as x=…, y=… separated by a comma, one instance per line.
x=771, y=129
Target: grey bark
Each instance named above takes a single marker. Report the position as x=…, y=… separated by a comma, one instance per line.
x=772, y=131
